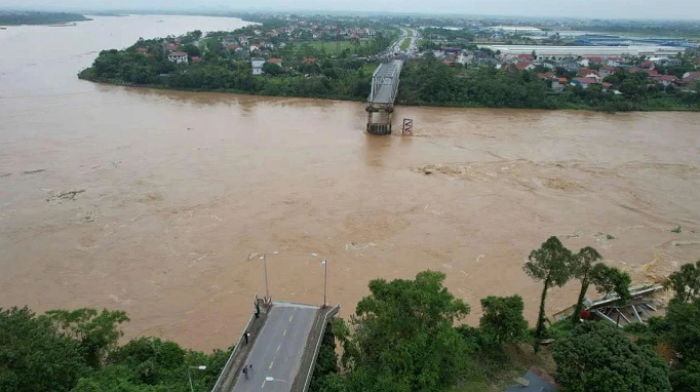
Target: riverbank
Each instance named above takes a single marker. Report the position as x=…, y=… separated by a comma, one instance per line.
x=618, y=105
x=17, y=18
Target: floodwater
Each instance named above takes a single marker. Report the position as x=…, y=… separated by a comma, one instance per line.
x=158, y=202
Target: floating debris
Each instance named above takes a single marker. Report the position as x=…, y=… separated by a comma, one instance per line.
x=70, y=195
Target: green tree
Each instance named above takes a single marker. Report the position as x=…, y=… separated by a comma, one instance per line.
x=97, y=332
x=605, y=279
x=550, y=264
x=326, y=363
x=598, y=357
x=503, y=321
x=34, y=357
x=582, y=265
x=610, y=279
x=402, y=337
x=683, y=333
x=686, y=377
x=272, y=69
x=685, y=283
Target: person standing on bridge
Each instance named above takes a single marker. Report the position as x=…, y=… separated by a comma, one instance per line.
x=245, y=372
x=246, y=336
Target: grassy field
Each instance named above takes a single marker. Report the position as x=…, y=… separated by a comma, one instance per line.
x=405, y=43
x=331, y=48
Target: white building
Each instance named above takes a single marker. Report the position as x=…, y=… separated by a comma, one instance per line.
x=561, y=52
x=177, y=57
x=257, y=64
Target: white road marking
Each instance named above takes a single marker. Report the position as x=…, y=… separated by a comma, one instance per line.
x=284, y=333
x=291, y=318
x=278, y=348
x=271, y=363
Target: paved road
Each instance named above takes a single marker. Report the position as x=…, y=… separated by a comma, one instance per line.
x=278, y=349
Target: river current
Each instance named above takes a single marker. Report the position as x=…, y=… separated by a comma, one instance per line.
x=160, y=202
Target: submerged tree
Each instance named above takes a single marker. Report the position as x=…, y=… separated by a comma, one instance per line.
x=550, y=264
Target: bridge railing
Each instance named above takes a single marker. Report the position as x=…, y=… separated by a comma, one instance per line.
x=331, y=313
x=228, y=367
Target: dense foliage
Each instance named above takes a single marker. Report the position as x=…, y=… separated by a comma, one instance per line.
x=34, y=356
x=402, y=337
x=598, y=357
x=77, y=351
x=430, y=82
x=36, y=17
x=503, y=321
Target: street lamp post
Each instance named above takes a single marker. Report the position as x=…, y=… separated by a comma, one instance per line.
x=189, y=374
x=267, y=291
x=325, y=280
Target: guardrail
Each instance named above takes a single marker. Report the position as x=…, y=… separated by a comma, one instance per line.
x=330, y=313
x=227, y=367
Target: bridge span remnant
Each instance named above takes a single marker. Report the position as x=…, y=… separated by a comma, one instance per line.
x=277, y=350
x=380, y=103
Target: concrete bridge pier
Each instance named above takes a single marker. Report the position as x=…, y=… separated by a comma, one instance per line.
x=379, y=120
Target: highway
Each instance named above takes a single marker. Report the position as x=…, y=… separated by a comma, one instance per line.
x=277, y=351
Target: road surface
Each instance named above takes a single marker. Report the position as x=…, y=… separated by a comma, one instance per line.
x=277, y=351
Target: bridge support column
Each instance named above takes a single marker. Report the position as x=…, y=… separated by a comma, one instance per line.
x=379, y=120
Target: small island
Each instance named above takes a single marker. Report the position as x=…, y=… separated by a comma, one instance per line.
x=13, y=18
x=334, y=57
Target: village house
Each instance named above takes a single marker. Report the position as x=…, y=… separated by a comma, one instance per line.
x=275, y=60
x=257, y=64
x=689, y=77
x=583, y=82
x=606, y=71
x=666, y=80
x=177, y=57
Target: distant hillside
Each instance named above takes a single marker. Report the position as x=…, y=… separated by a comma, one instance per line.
x=35, y=17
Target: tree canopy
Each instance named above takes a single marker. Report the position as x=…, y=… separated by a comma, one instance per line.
x=402, y=337
x=34, y=357
x=550, y=264
x=685, y=283
x=503, y=321
x=598, y=357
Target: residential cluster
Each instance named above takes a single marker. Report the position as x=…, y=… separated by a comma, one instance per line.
x=577, y=66
x=259, y=44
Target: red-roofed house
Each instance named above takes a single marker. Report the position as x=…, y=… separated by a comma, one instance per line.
x=196, y=59
x=647, y=64
x=177, y=57
x=275, y=60
x=589, y=73
x=231, y=47
x=583, y=82
x=690, y=77
x=526, y=57
x=525, y=65
x=171, y=46
x=309, y=60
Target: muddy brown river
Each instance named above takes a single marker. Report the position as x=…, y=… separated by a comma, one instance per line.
x=157, y=202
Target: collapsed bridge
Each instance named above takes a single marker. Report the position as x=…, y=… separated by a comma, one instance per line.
x=380, y=103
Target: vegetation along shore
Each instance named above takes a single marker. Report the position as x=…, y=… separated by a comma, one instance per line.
x=80, y=350
x=334, y=57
